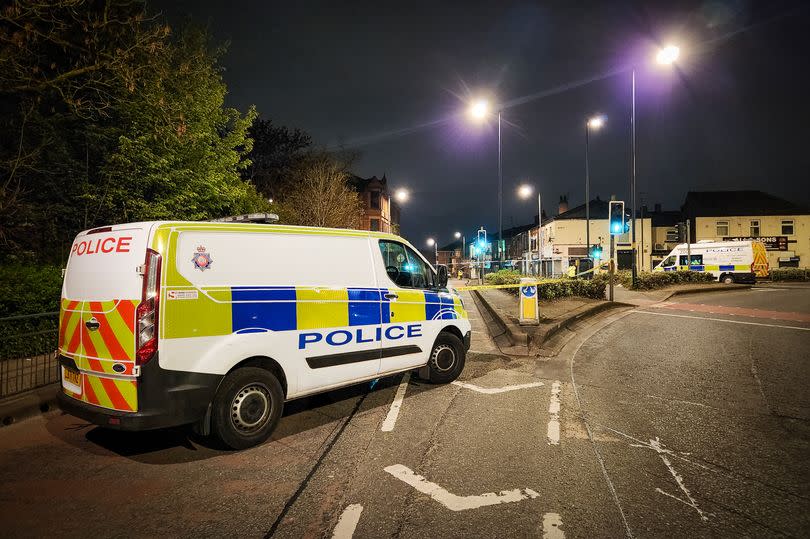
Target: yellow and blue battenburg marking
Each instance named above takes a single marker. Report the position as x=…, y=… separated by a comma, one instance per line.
x=255, y=309
x=729, y=267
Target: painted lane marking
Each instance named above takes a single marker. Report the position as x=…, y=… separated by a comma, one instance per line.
x=736, y=311
x=348, y=522
x=551, y=526
x=553, y=431
x=452, y=501
x=393, y=412
x=723, y=320
x=664, y=453
x=495, y=390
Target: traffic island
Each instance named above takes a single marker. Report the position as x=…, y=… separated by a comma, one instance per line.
x=555, y=315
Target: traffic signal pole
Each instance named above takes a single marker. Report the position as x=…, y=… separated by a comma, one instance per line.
x=612, y=265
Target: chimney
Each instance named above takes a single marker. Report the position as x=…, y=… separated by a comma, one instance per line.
x=657, y=207
x=563, y=207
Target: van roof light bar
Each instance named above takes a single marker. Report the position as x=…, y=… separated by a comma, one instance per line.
x=248, y=218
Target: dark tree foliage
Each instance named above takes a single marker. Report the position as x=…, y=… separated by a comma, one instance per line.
x=277, y=152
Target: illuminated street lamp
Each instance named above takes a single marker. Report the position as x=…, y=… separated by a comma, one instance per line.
x=432, y=243
x=463, y=244
x=524, y=192
x=479, y=110
x=593, y=123
x=401, y=195
x=667, y=55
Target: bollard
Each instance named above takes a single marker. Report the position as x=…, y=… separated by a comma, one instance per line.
x=529, y=311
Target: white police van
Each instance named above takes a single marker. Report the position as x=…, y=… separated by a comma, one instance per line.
x=218, y=324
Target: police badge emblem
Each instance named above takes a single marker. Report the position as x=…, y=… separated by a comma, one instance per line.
x=202, y=260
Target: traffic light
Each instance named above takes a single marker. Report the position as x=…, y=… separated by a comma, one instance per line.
x=596, y=252
x=681, y=228
x=616, y=213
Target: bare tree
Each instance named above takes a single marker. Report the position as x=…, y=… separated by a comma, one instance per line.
x=321, y=195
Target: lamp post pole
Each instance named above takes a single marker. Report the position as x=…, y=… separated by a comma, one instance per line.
x=539, y=234
x=500, y=190
x=587, y=193
x=633, y=176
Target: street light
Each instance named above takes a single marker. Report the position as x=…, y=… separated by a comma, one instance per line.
x=594, y=123
x=432, y=243
x=479, y=110
x=402, y=195
x=667, y=55
x=524, y=192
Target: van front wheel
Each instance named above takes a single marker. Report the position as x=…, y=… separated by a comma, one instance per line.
x=446, y=359
x=727, y=279
x=247, y=407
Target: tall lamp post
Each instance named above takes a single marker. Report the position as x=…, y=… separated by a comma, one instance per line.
x=525, y=191
x=667, y=55
x=432, y=243
x=595, y=123
x=463, y=243
x=479, y=111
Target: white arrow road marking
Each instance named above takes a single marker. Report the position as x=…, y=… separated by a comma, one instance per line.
x=450, y=500
x=348, y=522
x=551, y=526
x=553, y=431
x=393, y=412
x=494, y=390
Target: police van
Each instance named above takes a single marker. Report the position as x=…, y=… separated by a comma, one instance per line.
x=218, y=324
x=728, y=261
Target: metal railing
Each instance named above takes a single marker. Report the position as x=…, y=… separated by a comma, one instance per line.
x=28, y=356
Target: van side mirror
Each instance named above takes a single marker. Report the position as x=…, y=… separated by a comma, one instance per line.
x=441, y=276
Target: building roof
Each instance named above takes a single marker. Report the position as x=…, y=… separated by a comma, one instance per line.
x=730, y=203
x=598, y=210
x=361, y=184
x=664, y=218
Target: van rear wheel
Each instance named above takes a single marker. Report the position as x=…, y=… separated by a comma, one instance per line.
x=727, y=279
x=446, y=359
x=247, y=407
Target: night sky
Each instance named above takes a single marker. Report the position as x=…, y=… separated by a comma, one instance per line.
x=392, y=80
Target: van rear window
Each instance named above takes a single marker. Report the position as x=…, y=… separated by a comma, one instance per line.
x=102, y=266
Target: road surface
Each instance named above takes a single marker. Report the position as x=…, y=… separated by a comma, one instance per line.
x=686, y=418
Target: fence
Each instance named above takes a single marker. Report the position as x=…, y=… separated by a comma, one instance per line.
x=28, y=357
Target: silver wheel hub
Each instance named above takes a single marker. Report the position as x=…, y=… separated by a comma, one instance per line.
x=443, y=358
x=251, y=408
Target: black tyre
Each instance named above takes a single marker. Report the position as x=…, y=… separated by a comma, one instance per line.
x=247, y=407
x=446, y=359
x=727, y=279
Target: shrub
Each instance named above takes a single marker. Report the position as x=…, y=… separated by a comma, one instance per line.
x=660, y=279
x=26, y=290
x=790, y=274
x=553, y=288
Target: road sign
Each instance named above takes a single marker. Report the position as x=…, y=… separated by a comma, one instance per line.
x=529, y=313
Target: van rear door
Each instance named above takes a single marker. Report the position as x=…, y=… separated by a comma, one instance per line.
x=100, y=293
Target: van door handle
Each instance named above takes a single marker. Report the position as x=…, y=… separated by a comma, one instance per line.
x=92, y=324
x=390, y=295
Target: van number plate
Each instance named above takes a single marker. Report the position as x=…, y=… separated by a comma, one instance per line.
x=72, y=380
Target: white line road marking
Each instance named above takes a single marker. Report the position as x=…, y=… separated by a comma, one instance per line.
x=452, y=501
x=723, y=320
x=393, y=412
x=551, y=526
x=553, y=431
x=494, y=390
x=348, y=522
x=659, y=448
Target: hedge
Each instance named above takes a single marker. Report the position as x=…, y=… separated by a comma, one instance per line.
x=790, y=274
x=26, y=290
x=660, y=279
x=553, y=288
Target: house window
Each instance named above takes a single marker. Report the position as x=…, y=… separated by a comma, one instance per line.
x=787, y=228
x=755, y=228
x=722, y=228
x=374, y=225
x=375, y=200
x=672, y=235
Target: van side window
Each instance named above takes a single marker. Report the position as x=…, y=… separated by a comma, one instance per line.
x=404, y=267
x=697, y=260
x=669, y=261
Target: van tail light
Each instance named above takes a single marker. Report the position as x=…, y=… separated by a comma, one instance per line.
x=148, y=310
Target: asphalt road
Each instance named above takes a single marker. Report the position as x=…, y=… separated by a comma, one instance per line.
x=687, y=418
